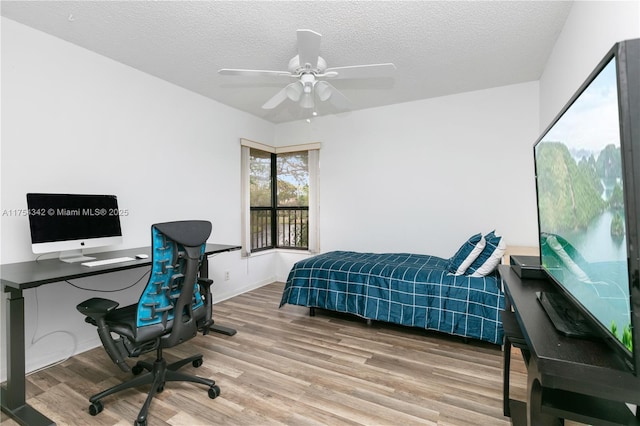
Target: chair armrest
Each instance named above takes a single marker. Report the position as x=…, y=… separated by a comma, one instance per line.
x=205, y=290
x=205, y=281
x=97, y=309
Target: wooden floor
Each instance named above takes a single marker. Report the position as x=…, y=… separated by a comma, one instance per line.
x=285, y=367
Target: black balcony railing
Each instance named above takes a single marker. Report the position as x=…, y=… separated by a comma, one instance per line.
x=290, y=226
x=261, y=229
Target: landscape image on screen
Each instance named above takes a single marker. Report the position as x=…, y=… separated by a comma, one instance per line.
x=581, y=205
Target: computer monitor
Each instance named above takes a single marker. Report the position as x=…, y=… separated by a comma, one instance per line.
x=69, y=223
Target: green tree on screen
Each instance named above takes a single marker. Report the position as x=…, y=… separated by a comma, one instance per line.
x=568, y=196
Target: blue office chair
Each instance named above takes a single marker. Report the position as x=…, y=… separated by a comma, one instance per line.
x=173, y=307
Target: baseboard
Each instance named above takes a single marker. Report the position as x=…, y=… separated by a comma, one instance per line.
x=240, y=290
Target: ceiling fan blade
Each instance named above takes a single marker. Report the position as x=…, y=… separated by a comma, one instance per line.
x=308, y=47
x=291, y=91
x=276, y=99
x=362, y=71
x=326, y=91
x=253, y=73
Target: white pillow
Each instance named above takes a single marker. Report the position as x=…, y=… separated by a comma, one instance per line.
x=490, y=264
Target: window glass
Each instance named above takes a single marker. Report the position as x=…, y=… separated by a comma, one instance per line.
x=260, y=178
x=293, y=179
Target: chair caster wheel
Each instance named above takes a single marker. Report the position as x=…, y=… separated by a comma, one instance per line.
x=160, y=388
x=96, y=408
x=142, y=423
x=197, y=363
x=214, y=392
x=137, y=369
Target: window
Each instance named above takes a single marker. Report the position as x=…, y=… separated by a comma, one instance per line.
x=279, y=197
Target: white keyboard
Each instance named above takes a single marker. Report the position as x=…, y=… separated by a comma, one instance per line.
x=93, y=263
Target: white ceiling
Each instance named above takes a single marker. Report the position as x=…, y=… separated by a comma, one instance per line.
x=439, y=47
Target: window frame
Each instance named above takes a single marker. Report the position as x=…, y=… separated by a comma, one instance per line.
x=311, y=208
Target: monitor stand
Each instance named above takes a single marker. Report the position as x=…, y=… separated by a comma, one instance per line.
x=565, y=317
x=73, y=256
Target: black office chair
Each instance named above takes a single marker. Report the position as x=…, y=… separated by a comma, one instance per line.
x=173, y=307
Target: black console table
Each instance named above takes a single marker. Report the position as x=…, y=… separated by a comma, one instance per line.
x=567, y=378
x=16, y=277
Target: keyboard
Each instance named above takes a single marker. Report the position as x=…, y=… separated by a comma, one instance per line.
x=93, y=263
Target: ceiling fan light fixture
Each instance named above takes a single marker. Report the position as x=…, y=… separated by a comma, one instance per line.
x=294, y=91
x=323, y=90
x=307, y=101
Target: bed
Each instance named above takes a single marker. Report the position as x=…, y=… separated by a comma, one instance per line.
x=409, y=289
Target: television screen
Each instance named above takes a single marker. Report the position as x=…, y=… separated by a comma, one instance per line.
x=580, y=182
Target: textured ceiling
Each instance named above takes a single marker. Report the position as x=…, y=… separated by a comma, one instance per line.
x=438, y=47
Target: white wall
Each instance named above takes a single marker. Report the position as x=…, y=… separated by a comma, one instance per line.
x=591, y=29
x=74, y=121
x=423, y=176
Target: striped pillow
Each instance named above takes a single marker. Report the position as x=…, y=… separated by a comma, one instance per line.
x=466, y=254
x=491, y=255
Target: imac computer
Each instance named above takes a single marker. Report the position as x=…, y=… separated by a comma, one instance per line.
x=69, y=223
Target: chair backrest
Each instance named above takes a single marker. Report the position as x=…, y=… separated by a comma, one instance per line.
x=171, y=304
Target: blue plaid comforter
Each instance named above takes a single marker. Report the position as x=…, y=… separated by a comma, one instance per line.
x=407, y=289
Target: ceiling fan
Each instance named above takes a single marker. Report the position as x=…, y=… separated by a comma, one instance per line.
x=310, y=72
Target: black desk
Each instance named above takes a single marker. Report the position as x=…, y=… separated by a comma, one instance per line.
x=16, y=277
x=567, y=378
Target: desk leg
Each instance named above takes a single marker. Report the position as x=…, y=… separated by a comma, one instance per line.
x=13, y=395
x=506, y=372
x=204, y=272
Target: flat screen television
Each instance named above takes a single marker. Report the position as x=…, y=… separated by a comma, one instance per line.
x=69, y=223
x=587, y=165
